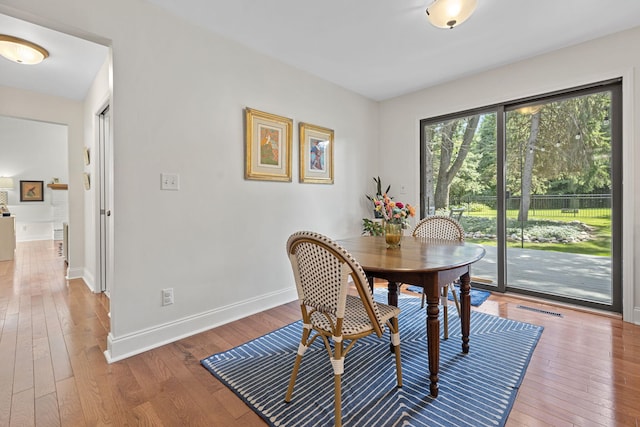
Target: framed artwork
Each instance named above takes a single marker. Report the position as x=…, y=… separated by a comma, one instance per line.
x=32, y=191
x=86, y=180
x=316, y=154
x=268, y=144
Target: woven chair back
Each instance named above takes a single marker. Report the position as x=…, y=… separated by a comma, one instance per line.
x=321, y=269
x=439, y=227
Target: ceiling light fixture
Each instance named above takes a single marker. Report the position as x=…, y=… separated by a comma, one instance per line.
x=450, y=13
x=21, y=51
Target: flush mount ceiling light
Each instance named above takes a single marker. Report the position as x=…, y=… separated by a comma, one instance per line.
x=21, y=51
x=450, y=13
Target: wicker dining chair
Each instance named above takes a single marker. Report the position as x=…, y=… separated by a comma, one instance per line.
x=445, y=228
x=321, y=269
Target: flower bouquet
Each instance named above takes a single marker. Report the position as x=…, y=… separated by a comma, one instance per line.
x=394, y=212
x=396, y=217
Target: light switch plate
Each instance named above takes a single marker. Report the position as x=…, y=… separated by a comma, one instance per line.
x=170, y=181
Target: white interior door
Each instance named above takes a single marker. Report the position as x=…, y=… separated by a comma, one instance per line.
x=105, y=198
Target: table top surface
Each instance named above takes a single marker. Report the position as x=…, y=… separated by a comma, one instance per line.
x=414, y=255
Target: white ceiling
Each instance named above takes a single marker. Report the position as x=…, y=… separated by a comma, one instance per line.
x=68, y=71
x=378, y=48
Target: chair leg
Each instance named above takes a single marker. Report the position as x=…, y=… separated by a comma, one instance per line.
x=292, y=381
x=396, y=349
x=296, y=366
x=338, y=400
x=338, y=368
x=446, y=322
x=455, y=297
x=445, y=305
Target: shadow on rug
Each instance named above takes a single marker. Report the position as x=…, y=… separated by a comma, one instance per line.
x=476, y=389
x=477, y=296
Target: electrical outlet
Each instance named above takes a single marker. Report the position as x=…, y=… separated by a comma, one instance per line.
x=169, y=181
x=167, y=296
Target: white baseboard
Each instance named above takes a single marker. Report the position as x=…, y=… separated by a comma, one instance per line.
x=636, y=315
x=75, y=273
x=89, y=280
x=33, y=238
x=122, y=347
x=33, y=230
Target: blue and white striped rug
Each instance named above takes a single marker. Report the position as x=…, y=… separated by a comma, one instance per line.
x=477, y=296
x=476, y=389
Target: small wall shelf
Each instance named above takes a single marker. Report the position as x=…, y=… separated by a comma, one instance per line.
x=57, y=186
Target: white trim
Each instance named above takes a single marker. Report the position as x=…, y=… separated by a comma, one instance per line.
x=630, y=313
x=35, y=237
x=119, y=348
x=89, y=280
x=94, y=168
x=75, y=273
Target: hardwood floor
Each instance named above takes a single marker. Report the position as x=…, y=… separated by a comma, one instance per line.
x=585, y=370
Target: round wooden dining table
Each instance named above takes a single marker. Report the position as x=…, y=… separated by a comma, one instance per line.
x=429, y=264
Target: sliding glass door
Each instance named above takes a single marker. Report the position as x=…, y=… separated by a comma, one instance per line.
x=459, y=164
x=559, y=179
x=537, y=182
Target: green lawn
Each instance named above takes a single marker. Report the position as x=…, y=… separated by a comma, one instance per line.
x=600, y=245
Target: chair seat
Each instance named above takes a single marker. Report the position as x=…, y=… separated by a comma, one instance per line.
x=325, y=274
x=356, y=320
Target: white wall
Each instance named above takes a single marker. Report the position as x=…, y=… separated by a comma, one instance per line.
x=33, y=151
x=45, y=108
x=601, y=59
x=178, y=100
x=98, y=97
x=219, y=242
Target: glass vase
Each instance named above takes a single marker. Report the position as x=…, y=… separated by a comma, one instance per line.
x=392, y=234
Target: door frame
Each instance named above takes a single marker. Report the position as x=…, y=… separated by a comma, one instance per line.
x=104, y=200
x=617, y=86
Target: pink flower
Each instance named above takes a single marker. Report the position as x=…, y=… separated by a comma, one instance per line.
x=396, y=212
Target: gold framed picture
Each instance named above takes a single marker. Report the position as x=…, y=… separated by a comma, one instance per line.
x=316, y=154
x=268, y=143
x=32, y=191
